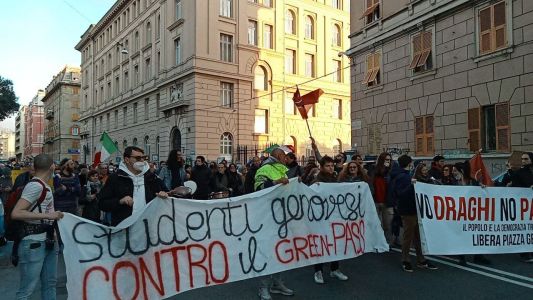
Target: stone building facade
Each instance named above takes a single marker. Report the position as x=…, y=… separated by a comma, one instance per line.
x=20, y=131
x=7, y=144
x=442, y=76
x=62, y=113
x=34, y=127
x=206, y=76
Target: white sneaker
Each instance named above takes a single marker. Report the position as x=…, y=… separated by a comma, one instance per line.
x=264, y=294
x=338, y=274
x=278, y=287
x=318, y=277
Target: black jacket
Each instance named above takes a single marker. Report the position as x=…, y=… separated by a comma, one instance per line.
x=201, y=175
x=404, y=191
x=523, y=177
x=120, y=185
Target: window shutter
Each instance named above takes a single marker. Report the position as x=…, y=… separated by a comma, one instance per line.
x=474, y=128
x=370, y=8
x=503, y=131
x=429, y=135
x=417, y=50
x=369, y=68
x=426, y=48
x=419, y=135
x=375, y=70
x=499, y=25
x=485, y=35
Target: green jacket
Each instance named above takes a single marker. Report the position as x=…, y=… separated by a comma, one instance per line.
x=270, y=171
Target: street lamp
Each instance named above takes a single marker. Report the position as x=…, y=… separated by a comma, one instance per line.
x=124, y=50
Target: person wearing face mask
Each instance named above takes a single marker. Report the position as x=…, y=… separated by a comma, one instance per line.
x=404, y=191
x=128, y=190
x=67, y=188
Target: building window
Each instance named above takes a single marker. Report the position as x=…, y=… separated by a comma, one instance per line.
x=125, y=115
x=337, y=4
x=226, y=47
x=136, y=42
x=337, y=147
x=146, y=145
x=116, y=119
x=290, y=108
x=148, y=33
x=261, y=121
x=135, y=142
x=158, y=63
x=109, y=62
x=126, y=82
x=424, y=137
x=108, y=121
x=371, y=13
x=337, y=71
x=116, y=87
x=146, y=108
x=108, y=91
x=157, y=100
x=178, y=10
x=336, y=109
x=75, y=130
x=489, y=128
x=226, y=8
x=157, y=146
x=492, y=28
x=290, y=22
x=373, y=75
x=422, y=58
x=261, y=78
x=134, y=112
x=177, y=48
x=290, y=61
x=336, y=36
x=309, y=28
x=226, y=141
x=267, y=3
x=226, y=94
x=158, y=27
x=135, y=76
x=309, y=65
x=267, y=37
x=252, y=32
x=148, y=71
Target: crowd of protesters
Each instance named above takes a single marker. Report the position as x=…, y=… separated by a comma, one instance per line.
x=108, y=193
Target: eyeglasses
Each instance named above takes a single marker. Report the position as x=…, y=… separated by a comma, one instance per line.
x=140, y=157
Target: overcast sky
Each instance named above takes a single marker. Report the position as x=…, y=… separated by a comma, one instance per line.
x=38, y=38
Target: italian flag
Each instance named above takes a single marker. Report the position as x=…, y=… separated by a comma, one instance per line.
x=107, y=147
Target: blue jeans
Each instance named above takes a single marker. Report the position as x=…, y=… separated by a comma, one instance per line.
x=35, y=262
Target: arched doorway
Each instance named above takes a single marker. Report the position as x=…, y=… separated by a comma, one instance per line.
x=175, y=139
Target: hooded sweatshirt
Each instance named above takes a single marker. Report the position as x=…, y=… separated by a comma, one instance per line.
x=139, y=197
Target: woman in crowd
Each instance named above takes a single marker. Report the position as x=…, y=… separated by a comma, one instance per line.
x=88, y=200
x=461, y=173
x=380, y=186
x=447, y=175
x=353, y=172
x=173, y=174
x=422, y=173
x=235, y=180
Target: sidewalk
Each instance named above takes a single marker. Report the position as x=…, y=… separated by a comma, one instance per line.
x=10, y=277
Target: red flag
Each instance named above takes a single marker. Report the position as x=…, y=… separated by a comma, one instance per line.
x=305, y=102
x=478, y=170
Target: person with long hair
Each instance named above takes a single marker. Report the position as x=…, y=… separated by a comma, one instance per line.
x=352, y=172
x=447, y=176
x=235, y=181
x=422, y=173
x=173, y=174
x=461, y=172
x=380, y=183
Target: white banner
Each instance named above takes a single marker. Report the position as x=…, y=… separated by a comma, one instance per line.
x=474, y=220
x=176, y=245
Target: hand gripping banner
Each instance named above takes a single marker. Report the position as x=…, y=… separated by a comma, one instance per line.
x=176, y=245
x=474, y=220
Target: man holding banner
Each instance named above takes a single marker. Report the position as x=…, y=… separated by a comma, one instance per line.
x=131, y=187
x=273, y=171
x=403, y=189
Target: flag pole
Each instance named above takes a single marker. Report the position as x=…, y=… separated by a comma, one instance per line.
x=308, y=128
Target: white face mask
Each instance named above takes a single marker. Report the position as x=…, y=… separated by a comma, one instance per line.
x=139, y=165
x=387, y=164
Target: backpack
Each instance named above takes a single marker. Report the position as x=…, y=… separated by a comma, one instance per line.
x=15, y=228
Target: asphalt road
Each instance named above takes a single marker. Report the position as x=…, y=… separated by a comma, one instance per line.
x=372, y=276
